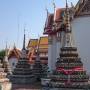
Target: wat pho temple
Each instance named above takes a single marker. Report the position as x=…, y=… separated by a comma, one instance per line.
x=55, y=59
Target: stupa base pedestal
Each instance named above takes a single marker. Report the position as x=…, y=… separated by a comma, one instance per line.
x=20, y=79
x=73, y=85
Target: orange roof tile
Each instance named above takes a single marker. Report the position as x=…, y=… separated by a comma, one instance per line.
x=44, y=40
x=32, y=46
x=58, y=14
x=32, y=43
x=14, y=53
x=49, y=21
x=43, y=43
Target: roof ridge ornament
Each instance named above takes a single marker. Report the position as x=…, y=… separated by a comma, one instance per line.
x=54, y=5
x=47, y=12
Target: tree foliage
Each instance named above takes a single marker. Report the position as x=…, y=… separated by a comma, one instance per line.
x=2, y=54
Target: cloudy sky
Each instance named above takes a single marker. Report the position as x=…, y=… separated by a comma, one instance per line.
x=15, y=15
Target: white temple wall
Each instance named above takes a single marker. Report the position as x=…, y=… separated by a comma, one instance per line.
x=52, y=53
x=81, y=31
x=13, y=61
x=50, y=50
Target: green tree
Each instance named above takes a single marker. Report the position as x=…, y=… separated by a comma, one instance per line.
x=2, y=54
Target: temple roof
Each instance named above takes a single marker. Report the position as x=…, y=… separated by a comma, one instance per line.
x=14, y=53
x=55, y=22
x=82, y=8
x=52, y=19
x=44, y=40
x=59, y=12
x=31, y=49
x=49, y=20
x=43, y=43
x=32, y=43
x=49, y=23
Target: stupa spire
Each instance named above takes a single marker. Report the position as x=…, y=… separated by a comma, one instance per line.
x=66, y=4
x=6, y=65
x=6, y=50
x=24, y=40
x=14, y=47
x=68, y=42
x=6, y=54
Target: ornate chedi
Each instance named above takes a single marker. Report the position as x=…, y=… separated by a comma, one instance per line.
x=69, y=71
x=22, y=74
x=4, y=82
x=6, y=64
x=39, y=70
